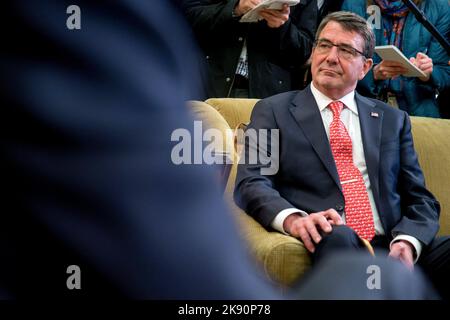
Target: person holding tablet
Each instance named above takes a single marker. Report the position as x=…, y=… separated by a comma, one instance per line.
x=399, y=27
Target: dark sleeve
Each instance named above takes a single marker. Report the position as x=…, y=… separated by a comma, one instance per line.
x=207, y=17
x=420, y=210
x=297, y=35
x=87, y=170
x=333, y=5
x=255, y=190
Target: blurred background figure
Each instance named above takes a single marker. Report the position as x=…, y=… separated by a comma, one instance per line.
x=88, y=116
x=399, y=27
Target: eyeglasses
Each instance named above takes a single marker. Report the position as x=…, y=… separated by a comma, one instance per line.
x=344, y=51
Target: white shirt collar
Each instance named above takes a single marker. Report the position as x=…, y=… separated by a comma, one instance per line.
x=323, y=101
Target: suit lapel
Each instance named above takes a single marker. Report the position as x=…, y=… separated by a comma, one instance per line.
x=307, y=114
x=371, y=119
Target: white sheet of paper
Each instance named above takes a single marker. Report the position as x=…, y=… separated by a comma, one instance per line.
x=253, y=14
x=391, y=52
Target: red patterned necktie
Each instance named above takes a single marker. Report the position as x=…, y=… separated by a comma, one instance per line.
x=358, y=213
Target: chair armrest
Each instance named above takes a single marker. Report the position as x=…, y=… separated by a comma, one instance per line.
x=284, y=259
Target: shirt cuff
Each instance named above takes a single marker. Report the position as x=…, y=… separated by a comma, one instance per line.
x=416, y=244
x=278, y=221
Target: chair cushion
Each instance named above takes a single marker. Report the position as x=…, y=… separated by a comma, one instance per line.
x=223, y=147
x=432, y=143
x=212, y=119
x=233, y=110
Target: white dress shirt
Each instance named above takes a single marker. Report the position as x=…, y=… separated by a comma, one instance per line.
x=320, y=3
x=350, y=118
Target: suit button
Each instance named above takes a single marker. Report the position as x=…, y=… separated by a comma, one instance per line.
x=240, y=39
x=339, y=207
x=228, y=79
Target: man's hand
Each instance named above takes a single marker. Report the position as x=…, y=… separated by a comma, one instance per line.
x=388, y=69
x=245, y=5
x=404, y=251
x=306, y=228
x=276, y=18
x=424, y=63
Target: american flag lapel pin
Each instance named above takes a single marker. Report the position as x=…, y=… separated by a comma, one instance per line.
x=374, y=114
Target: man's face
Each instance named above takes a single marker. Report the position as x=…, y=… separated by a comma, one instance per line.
x=332, y=74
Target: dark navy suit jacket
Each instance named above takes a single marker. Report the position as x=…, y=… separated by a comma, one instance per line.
x=87, y=117
x=308, y=180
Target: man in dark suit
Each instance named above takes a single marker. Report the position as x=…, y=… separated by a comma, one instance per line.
x=348, y=172
x=93, y=206
x=87, y=119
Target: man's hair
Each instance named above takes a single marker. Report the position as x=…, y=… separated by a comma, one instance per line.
x=352, y=22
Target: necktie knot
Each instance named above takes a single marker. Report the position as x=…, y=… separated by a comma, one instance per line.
x=336, y=107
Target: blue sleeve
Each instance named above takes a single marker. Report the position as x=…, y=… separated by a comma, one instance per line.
x=440, y=76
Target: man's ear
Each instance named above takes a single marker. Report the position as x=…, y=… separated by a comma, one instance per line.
x=368, y=63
